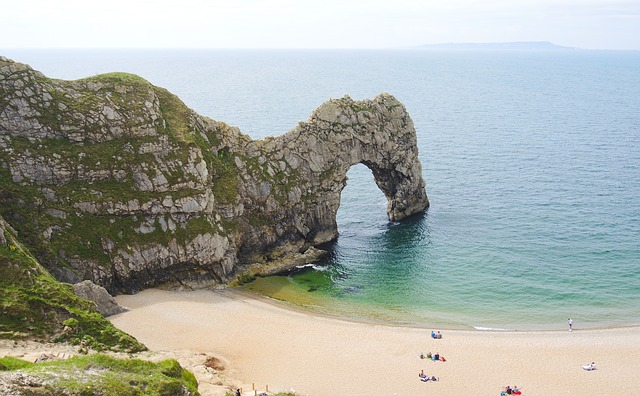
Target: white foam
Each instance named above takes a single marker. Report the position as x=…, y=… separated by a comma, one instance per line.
x=315, y=267
x=490, y=328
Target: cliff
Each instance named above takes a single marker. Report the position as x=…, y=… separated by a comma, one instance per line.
x=35, y=305
x=114, y=180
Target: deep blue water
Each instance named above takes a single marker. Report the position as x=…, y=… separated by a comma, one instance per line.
x=532, y=164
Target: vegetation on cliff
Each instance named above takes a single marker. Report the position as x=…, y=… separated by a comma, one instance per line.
x=97, y=374
x=114, y=180
x=101, y=154
x=35, y=305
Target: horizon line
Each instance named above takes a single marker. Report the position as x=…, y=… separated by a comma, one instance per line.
x=418, y=47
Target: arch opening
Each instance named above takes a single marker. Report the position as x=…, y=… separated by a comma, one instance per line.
x=362, y=203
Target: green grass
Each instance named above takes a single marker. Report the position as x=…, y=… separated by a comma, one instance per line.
x=117, y=78
x=176, y=115
x=35, y=305
x=9, y=363
x=105, y=375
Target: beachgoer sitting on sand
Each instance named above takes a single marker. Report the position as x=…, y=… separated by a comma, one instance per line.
x=508, y=390
x=433, y=335
x=438, y=357
x=438, y=336
x=590, y=367
x=421, y=355
x=516, y=391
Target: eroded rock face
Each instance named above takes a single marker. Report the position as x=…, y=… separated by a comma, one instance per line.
x=105, y=303
x=115, y=180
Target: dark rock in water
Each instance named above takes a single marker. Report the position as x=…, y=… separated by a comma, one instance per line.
x=114, y=180
x=352, y=289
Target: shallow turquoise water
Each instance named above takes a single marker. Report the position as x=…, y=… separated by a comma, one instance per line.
x=532, y=164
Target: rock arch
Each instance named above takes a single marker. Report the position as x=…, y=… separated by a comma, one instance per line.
x=117, y=181
x=339, y=134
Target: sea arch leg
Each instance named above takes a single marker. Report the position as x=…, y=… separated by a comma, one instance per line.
x=405, y=193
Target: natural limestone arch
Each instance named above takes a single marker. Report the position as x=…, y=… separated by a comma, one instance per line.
x=339, y=134
x=117, y=181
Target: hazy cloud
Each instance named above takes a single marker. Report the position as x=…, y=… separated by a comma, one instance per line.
x=316, y=24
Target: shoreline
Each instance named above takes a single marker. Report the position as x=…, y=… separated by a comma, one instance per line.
x=550, y=316
x=265, y=343
x=286, y=305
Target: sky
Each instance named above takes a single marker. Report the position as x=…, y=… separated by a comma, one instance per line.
x=591, y=24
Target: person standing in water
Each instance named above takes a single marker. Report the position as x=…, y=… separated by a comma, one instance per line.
x=570, y=324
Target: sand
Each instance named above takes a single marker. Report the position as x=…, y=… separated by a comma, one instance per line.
x=268, y=343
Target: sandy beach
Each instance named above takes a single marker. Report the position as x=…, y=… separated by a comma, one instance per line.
x=266, y=343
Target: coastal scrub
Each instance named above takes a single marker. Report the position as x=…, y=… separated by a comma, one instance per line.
x=99, y=374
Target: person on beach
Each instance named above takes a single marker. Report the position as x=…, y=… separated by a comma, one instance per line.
x=438, y=336
x=590, y=367
x=238, y=392
x=425, y=378
x=570, y=324
x=433, y=335
x=436, y=356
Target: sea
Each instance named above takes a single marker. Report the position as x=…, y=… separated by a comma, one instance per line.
x=531, y=160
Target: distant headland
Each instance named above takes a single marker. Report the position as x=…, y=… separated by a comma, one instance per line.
x=517, y=45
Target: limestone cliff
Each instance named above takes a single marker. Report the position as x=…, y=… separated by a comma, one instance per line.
x=112, y=179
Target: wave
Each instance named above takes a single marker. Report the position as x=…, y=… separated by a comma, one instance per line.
x=313, y=266
x=490, y=328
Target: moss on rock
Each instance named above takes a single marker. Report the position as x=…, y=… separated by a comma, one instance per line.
x=35, y=305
